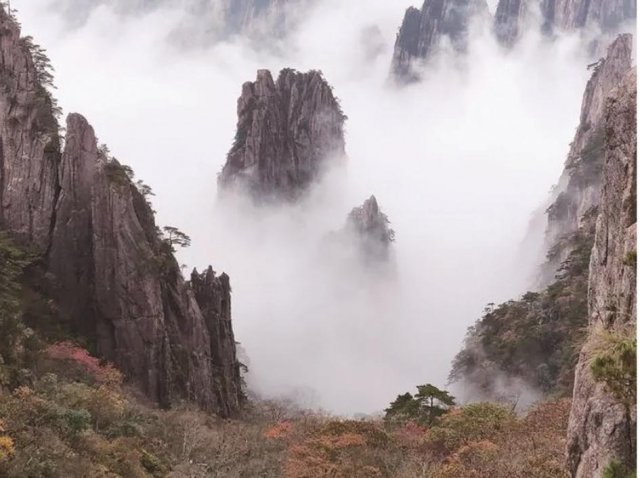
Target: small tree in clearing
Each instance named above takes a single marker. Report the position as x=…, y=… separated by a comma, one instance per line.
x=424, y=407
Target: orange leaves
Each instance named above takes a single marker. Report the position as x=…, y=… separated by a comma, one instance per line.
x=70, y=352
x=481, y=440
x=6, y=444
x=410, y=435
x=280, y=430
x=6, y=447
x=341, y=449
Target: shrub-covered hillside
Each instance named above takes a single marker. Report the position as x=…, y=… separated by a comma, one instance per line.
x=66, y=414
x=535, y=339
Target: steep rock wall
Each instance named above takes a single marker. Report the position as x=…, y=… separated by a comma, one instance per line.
x=288, y=132
x=557, y=16
x=113, y=277
x=578, y=189
x=601, y=427
x=567, y=15
x=533, y=340
x=423, y=31
x=29, y=142
x=121, y=287
x=510, y=20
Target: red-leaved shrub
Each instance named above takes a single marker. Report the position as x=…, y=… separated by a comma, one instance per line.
x=69, y=352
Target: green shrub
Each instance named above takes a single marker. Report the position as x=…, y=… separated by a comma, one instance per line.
x=615, y=469
x=77, y=420
x=631, y=259
x=152, y=464
x=471, y=423
x=614, y=364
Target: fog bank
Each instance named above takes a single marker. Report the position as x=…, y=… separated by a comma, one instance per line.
x=458, y=162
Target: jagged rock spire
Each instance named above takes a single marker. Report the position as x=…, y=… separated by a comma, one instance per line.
x=510, y=19
x=568, y=15
x=423, y=30
x=113, y=278
x=371, y=228
x=213, y=295
x=513, y=16
x=288, y=132
x=122, y=288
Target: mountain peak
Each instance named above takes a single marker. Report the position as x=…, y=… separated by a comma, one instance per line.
x=288, y=132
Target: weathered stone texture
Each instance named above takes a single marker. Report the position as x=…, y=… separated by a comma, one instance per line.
x=578, y=190
x=113, y=277
x=568, y=15
x=600, y=427
x=288, y=132
x=371, y=228
x=29, y=142
x=423, y=31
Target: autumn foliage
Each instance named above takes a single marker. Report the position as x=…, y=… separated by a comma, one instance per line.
x=6, y=444
x=280, y=430
x=80, y=359
x=342, y=449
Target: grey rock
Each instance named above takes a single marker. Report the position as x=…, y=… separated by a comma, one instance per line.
x=213, y=295
x=569, y=15
x=370, y=226
x=114, y=278
x=29, y=142
x=578, y=190
x=288, y=133
x=511, y=19
x=122, y=288
x=600, y=427
x=422, y=32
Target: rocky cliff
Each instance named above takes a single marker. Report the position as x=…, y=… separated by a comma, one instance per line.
x=533, y=340
x=424, y=31
x=514, y=16
x=602, y=426
x=29, y=142
x=113, y=276
x=511, y=19
x=370, y=227
x=288, y=132
x=578, y=190
x=567, y=15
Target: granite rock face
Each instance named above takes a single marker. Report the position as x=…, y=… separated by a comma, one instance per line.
x=213, y=293
x=601, y=427
x=120, y=285
x=423, y=31
x=113, y=276
x=511, y=18
x=568, y=15
x=288, y=132
x=578, y=190
x=370, y=226
x=29, y=141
